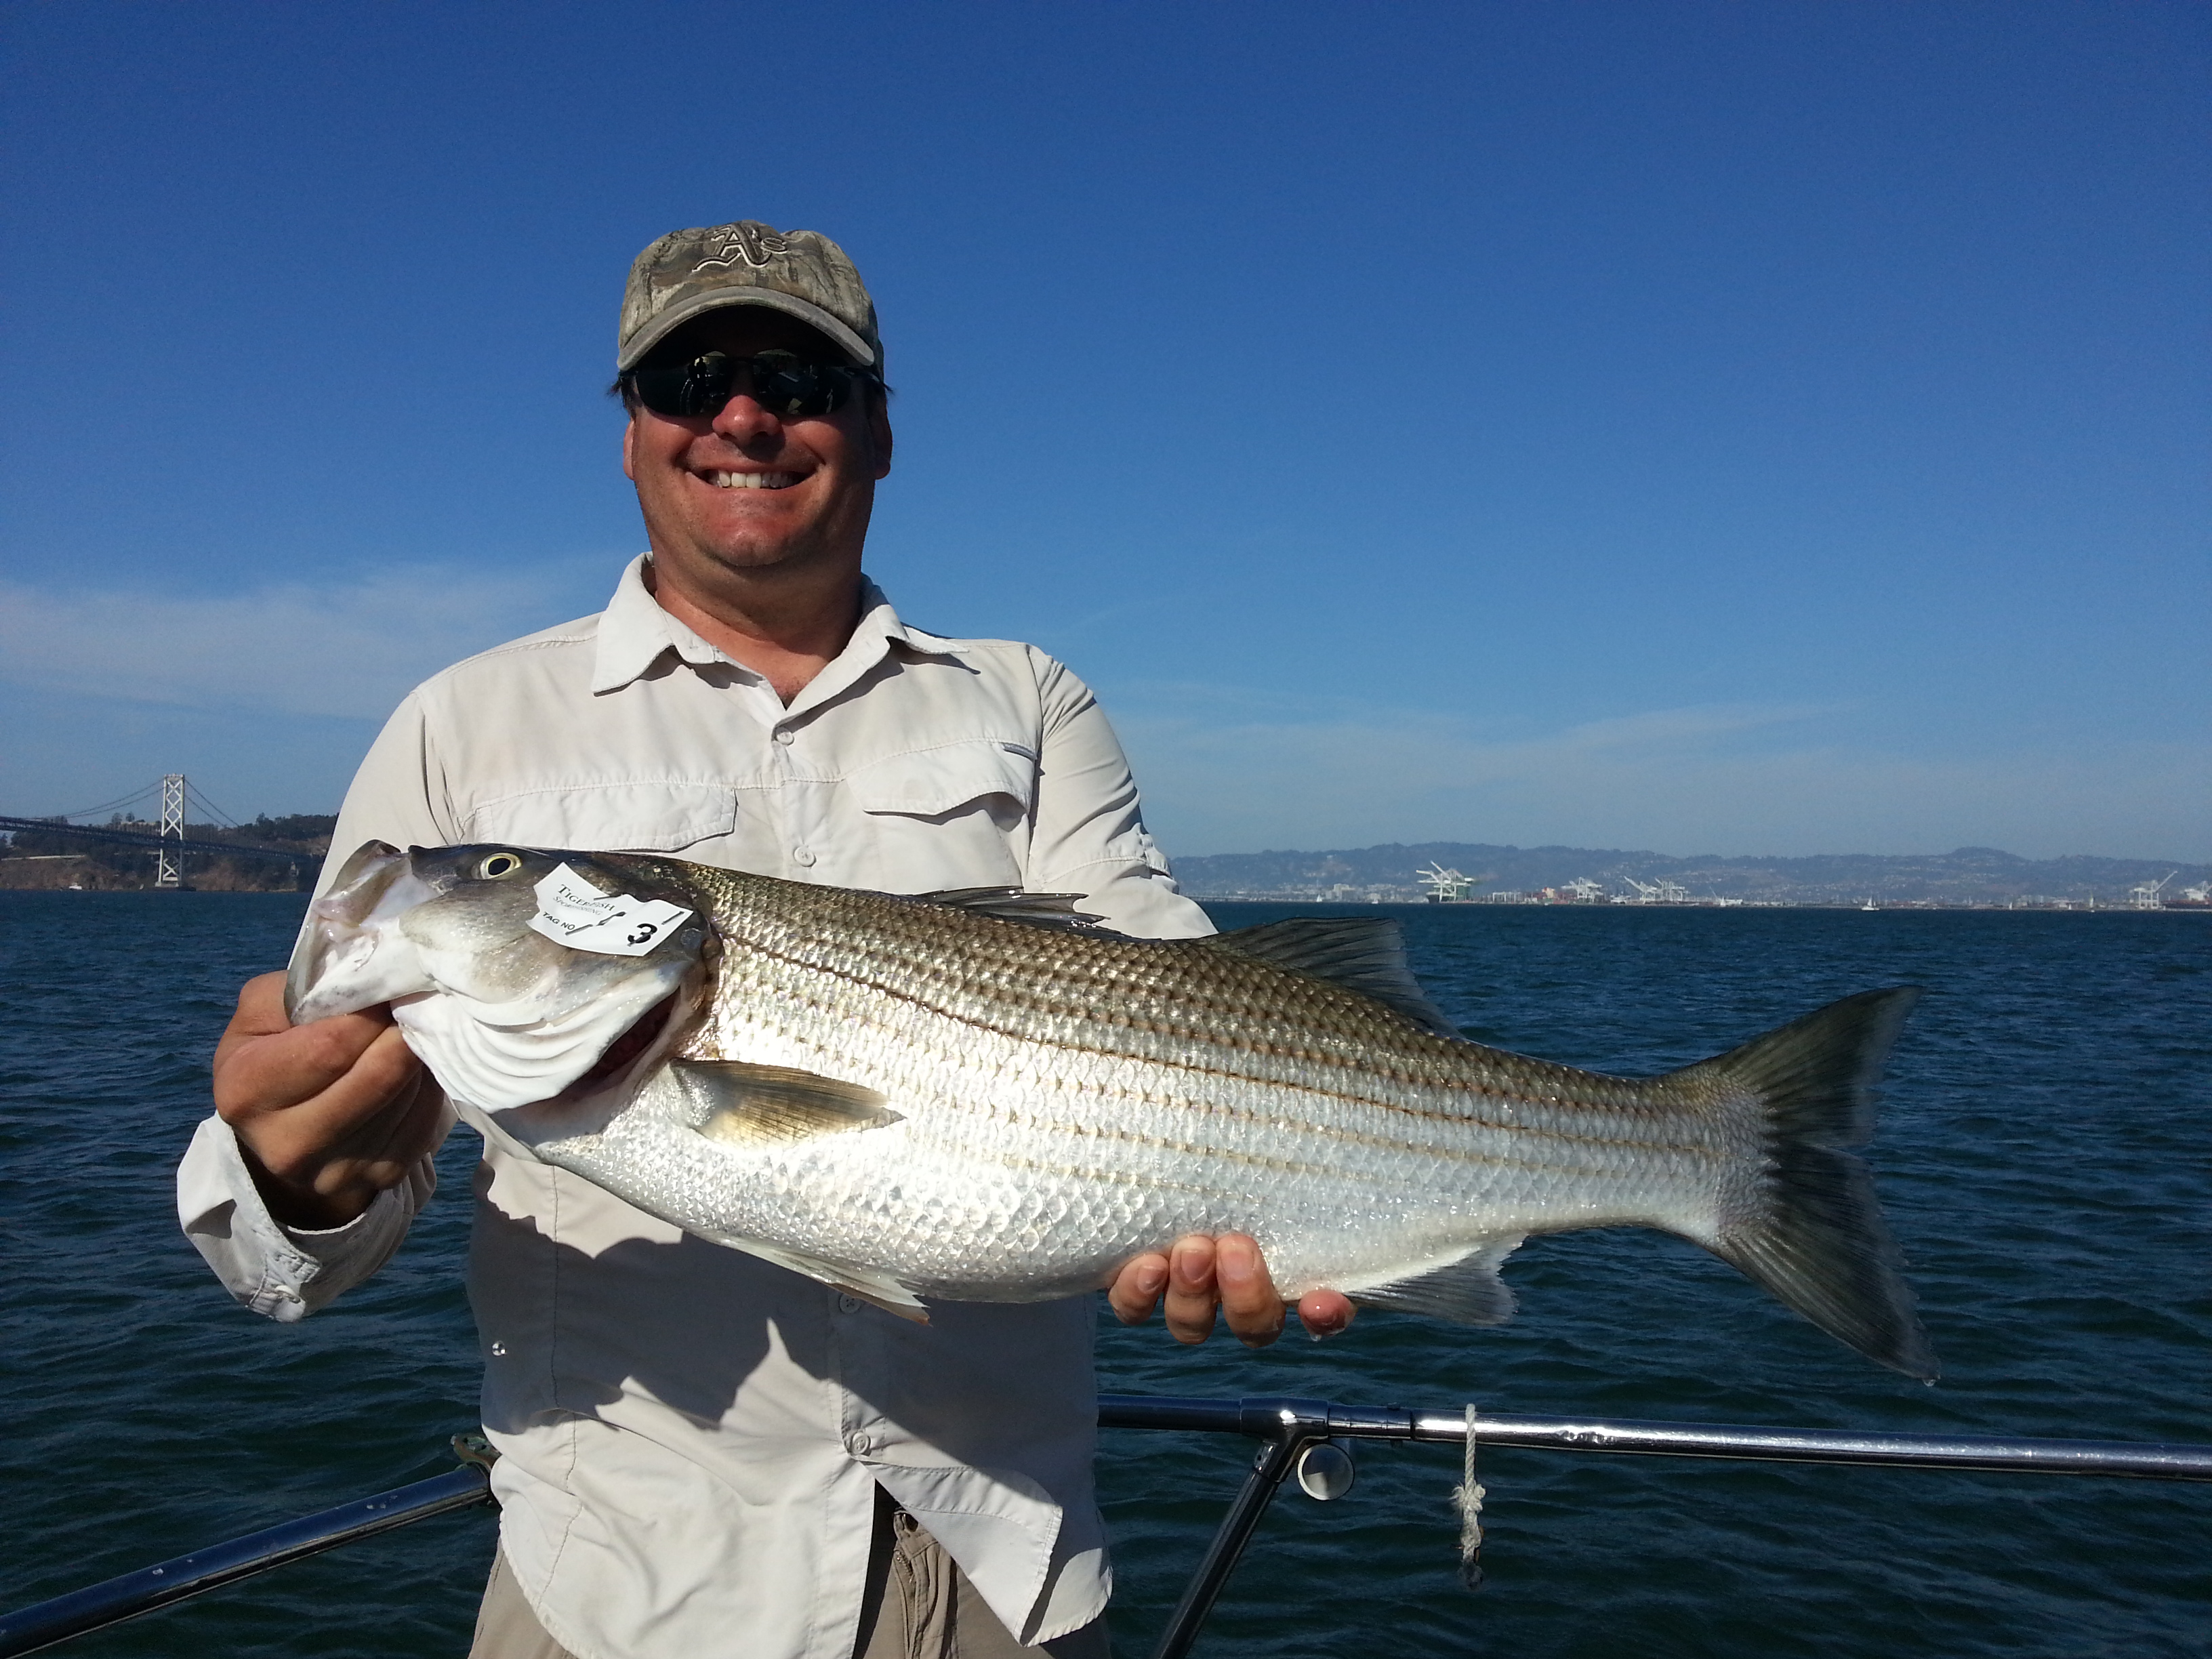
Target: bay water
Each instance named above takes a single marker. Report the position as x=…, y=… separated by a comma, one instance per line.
x=2045, y=1159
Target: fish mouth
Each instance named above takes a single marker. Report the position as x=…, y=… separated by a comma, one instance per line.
x=503, y=1014
x=629, y=1045
x=350, y=954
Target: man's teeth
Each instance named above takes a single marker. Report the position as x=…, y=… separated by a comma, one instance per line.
x=752, y=480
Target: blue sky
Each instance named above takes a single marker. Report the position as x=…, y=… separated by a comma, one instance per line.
x=1711, y=427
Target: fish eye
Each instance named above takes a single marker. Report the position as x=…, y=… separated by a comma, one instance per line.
x=498, y=863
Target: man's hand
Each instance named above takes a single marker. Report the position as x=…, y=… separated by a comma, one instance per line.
x=1201, y=1273
x=328, y=1113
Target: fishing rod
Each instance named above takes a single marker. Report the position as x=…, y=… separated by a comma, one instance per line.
x=1297, y=1436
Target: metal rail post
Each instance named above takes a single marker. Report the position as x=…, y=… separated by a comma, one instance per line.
x=1284, y=1428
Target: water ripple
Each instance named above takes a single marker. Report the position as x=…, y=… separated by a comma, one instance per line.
x=2043, y=1161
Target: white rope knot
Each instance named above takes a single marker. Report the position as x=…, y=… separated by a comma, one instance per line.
x=1467, y=1498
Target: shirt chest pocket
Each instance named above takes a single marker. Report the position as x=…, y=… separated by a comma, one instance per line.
x=953, y=816
x=632, y=816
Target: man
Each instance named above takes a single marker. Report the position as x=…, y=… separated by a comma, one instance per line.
x=702, y=1454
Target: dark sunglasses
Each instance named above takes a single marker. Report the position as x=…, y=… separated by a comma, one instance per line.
x=783, y=382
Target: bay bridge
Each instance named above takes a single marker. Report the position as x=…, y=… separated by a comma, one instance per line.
x=162, y=838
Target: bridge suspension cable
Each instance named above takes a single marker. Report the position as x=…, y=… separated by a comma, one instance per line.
x=215, y=812
x=136, y=796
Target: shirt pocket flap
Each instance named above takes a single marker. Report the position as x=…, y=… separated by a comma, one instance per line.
x=651, y=814
x=930, y=782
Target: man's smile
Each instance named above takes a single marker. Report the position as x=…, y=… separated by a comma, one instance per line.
x=751, y=480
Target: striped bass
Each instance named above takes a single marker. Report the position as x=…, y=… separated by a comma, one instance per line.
x=981, y=1097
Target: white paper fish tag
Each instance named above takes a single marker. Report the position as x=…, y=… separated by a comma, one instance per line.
x=576, y=913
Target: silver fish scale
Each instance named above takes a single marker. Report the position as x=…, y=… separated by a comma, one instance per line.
x=1068, y=1101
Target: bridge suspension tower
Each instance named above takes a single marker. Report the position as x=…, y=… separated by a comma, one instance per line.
x=169, y=861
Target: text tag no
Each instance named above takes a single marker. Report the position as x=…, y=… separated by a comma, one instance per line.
x=573, y=911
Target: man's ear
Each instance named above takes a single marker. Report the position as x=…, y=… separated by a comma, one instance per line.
x=879, y=429
x=630, y=449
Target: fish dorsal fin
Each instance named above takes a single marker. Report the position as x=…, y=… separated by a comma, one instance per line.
x=1467, y=1292
x=1054, y=910
x=741, y=1105
x=1365, y=954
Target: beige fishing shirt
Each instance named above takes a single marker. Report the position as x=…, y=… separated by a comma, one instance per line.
x=692, y=1438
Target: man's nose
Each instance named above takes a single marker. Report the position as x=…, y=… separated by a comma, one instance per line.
x=742, y=420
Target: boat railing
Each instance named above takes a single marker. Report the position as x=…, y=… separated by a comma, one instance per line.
x=1297, y=1436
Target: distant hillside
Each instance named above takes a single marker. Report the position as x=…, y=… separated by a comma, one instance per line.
x=1972, y=875
x=44, y=858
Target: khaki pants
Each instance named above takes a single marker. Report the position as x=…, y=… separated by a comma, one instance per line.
x=919, y=1605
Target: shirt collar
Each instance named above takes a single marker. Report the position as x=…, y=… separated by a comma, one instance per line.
x=634, y=632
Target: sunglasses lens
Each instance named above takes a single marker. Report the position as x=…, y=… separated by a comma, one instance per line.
x=685, y=391
x=799, y=389
x=784, y=385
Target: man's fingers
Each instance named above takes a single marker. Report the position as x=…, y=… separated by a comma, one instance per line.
x=264, y=1063
x=296, y=1112
x=1249, y=1300
x=378, y=1074
x=1190, y=1291
x=390, y=1142
x=260, y=1010
x=1232, y=1272
x=328, y=1113
x=1324, y=1313
x=1136, y=1289
x=269, y=1070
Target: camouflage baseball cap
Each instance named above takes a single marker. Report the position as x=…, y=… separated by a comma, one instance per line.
x=688, y=272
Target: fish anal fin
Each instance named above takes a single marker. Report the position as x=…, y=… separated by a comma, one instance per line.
x=874, y=1289
x=742, y=1104
x=1466, y=1291
x=1366, y=954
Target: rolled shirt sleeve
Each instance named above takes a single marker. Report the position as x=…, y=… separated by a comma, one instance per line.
x=284, y=1273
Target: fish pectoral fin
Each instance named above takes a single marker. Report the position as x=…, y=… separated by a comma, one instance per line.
x=1467, y=1292
x=1366, y=954
x=1053, y=910
x=742, y=1104
x=872, y=1288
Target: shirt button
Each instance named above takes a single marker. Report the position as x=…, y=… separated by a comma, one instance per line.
x=849, y=1305
x=783, y=736
x=803, y=857
x=859, y=1444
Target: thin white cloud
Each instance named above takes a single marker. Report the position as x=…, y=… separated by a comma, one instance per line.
x=343, y=648
x=1224, y=769
x=1725, y=779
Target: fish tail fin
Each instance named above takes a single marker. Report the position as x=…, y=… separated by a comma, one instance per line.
x=1805, y=1223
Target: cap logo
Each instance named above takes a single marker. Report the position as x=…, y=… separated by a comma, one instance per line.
x=756, y=245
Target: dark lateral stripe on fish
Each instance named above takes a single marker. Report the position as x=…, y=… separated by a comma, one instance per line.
x=1656, y=1114
x=1259, y=1160
x=1374, y=1021
x=1228, y=1111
